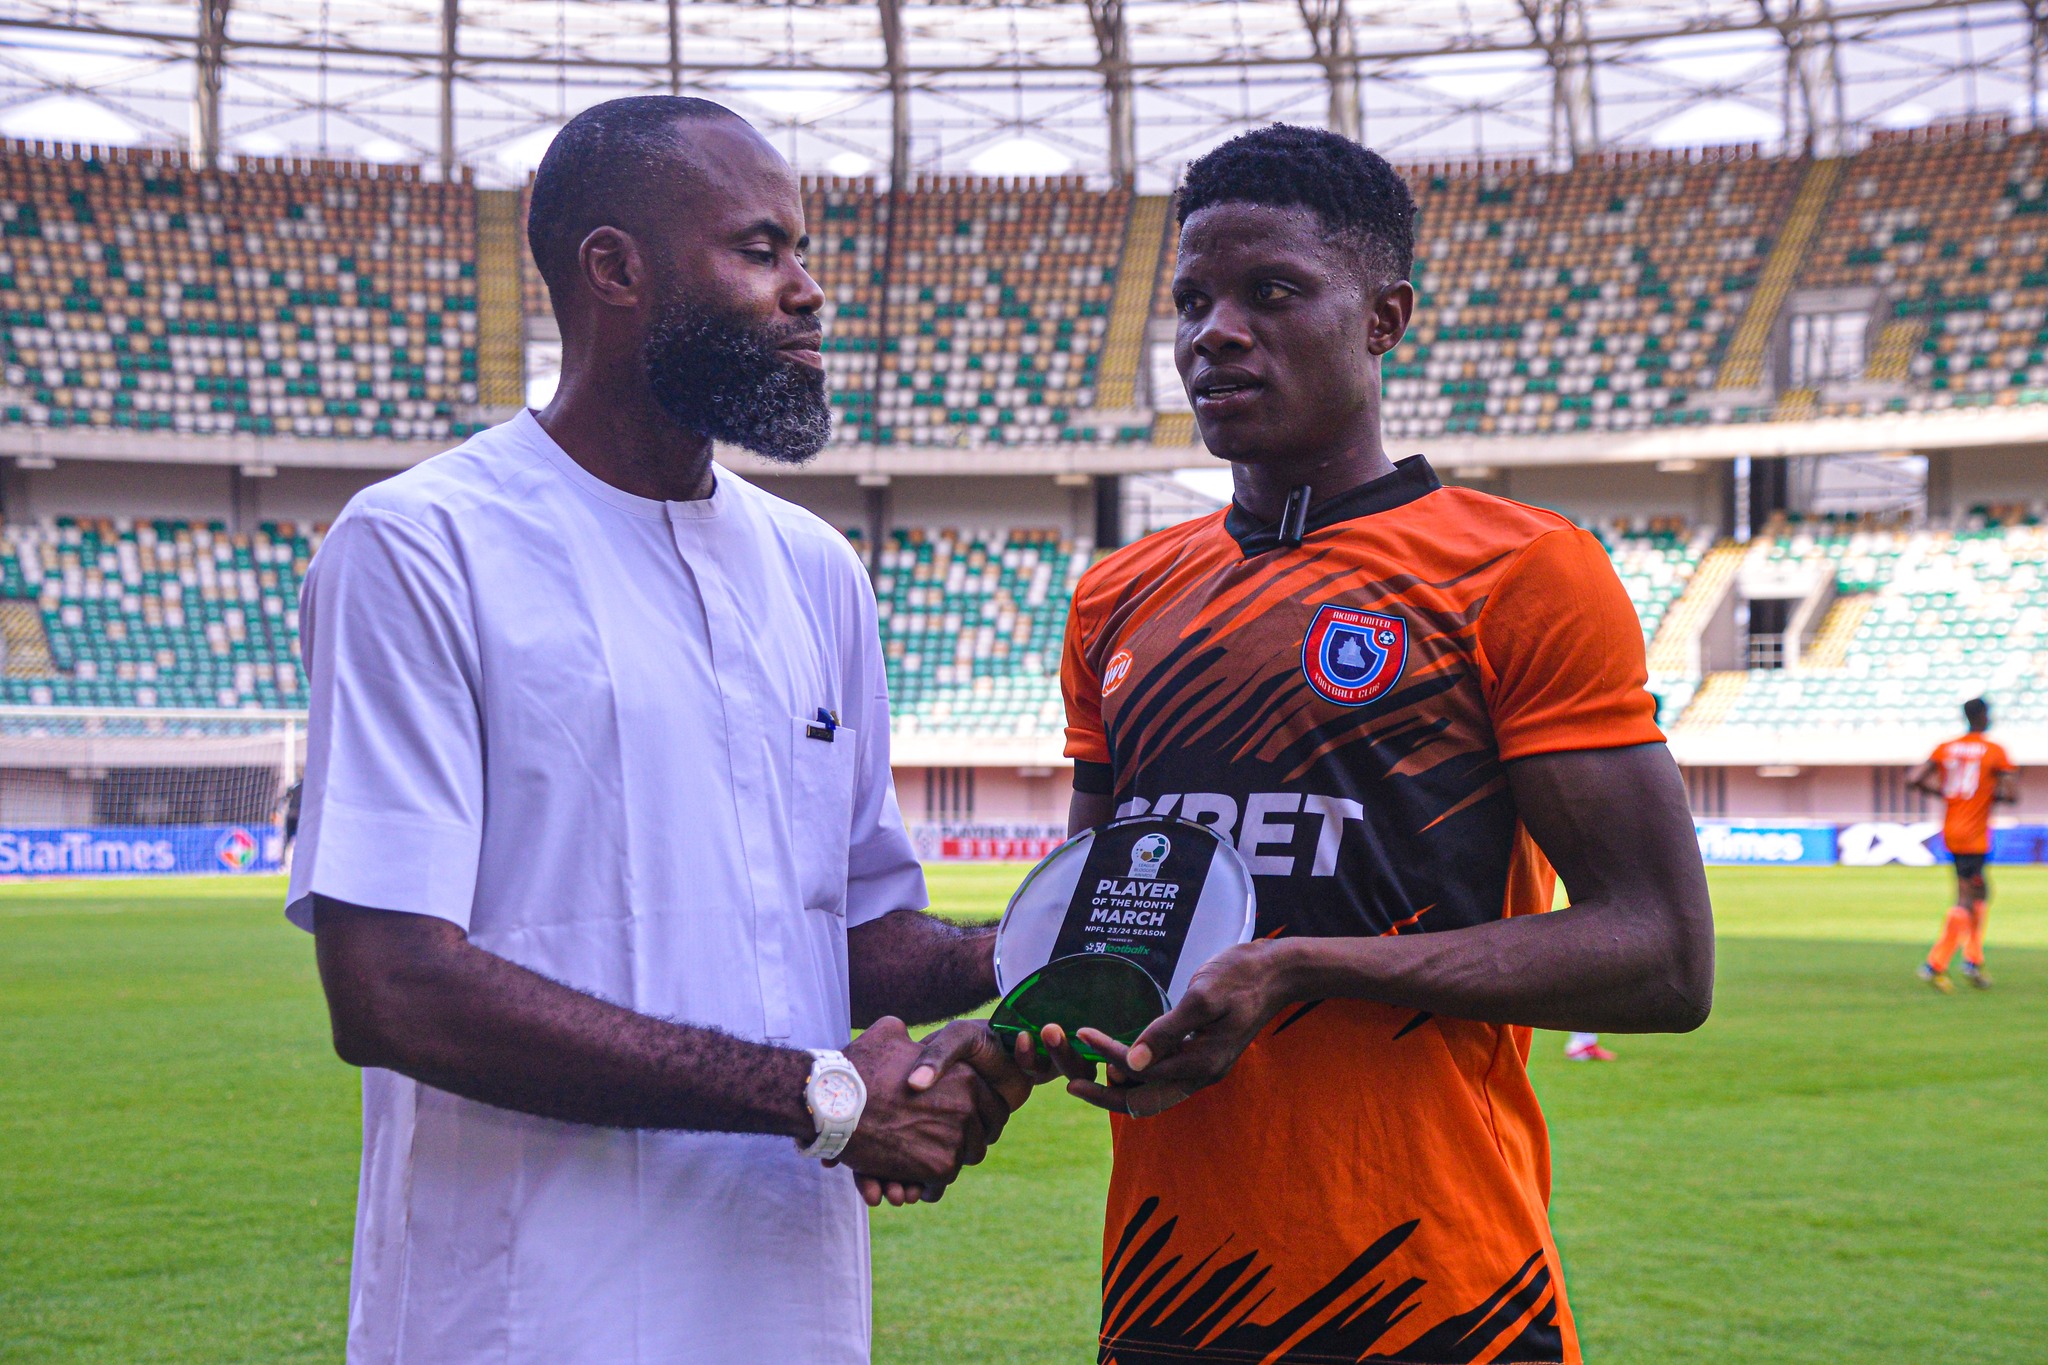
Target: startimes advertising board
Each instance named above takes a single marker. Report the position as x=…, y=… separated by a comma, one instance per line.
x=139, y=850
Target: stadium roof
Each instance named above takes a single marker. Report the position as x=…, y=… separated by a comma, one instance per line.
x=1017, y=88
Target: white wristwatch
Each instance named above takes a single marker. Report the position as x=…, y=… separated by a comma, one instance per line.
x=836, y=1096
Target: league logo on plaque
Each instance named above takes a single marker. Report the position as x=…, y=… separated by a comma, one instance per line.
x=1108, y=930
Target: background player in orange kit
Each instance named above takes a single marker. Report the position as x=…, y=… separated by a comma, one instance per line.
x=1404, y=702
x=1969, y=774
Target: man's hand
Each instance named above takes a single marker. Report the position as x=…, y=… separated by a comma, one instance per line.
x=931, y=1110
x=1191, y=1046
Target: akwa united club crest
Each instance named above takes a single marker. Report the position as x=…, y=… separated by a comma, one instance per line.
x=1351, y=657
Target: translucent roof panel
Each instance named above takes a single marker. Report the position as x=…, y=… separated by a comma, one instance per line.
x=992, y=88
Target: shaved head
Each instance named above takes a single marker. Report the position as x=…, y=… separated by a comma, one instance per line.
x=671, y=235
x=604, y=169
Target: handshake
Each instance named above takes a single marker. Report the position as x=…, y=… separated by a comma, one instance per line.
x=938, y=1106
x=933, y=1107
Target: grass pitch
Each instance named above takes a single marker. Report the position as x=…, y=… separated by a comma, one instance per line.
x=1840, y=1166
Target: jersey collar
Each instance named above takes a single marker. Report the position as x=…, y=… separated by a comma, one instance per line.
x=1411, y=478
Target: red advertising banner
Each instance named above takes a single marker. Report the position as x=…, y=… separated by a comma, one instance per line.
x=995, y=850
x=985, y=843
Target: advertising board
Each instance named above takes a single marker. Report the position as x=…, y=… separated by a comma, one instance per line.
x=1731, y=843
x=139, y=850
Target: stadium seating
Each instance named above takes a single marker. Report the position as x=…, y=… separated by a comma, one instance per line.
x=172, y=614
x=164, y=614
x=328, y=300
x=333, y=300
x=1951, y=615
x=998, y=302
x=1947, y=225
x=972, y=627
x=305, y=299
x=1599, y=299
x=848, y=225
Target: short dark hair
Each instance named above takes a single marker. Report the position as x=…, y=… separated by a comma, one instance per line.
x=596, y=171
x=1977, y=711
x=1358, y=196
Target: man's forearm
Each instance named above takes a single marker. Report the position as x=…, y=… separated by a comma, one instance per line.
x=411, y=994
x=919, y=968
x=1589, y=968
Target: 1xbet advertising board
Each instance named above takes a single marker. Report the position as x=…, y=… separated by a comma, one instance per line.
x=1730, y=843
x=139, y=850
x=1917, y=843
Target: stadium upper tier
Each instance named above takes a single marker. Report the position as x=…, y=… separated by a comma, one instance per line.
x=1637, y=290
x=1951, y=237
x=1602, y=299
x=998, y=299
x=299, y=300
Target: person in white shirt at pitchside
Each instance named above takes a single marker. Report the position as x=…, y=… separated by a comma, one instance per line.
x=599, y=843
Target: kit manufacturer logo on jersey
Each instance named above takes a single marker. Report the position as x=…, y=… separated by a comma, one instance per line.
x=1119, y=669
x=1351, y=657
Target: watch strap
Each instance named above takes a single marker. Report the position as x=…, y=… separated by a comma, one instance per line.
x=833, y=1135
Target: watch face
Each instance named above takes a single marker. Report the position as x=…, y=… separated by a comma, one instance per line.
x=834, y=1098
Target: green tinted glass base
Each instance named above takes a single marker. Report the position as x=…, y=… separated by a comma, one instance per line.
x=1087, y=990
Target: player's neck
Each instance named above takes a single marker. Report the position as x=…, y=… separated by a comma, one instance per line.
x=1262, y=488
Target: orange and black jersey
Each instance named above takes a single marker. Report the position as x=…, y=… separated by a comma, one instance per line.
x=1366, y=1183
x=1344, y=708
x=1969, y=767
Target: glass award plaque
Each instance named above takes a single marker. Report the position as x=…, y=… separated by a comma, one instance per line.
x=1107, y=931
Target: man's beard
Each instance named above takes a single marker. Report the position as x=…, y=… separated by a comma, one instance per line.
x=717, y=376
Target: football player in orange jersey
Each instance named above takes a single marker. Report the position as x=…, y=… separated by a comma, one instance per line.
x=1404, y=702
x=1969, y=774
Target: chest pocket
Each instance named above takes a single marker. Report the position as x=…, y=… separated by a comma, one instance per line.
x=821, y=812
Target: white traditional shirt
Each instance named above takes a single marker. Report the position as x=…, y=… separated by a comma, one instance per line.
x=585, y=727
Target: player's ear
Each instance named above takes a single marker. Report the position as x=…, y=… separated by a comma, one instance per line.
x=1387, y=323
